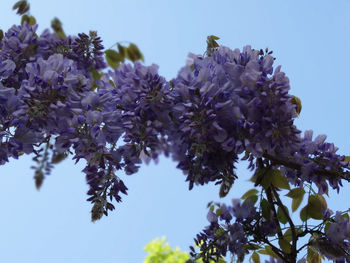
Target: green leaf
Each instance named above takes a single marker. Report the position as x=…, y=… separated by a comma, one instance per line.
x=297, y=102
x=211, y=208
x=278, y=180
x=219, y=232
x=32, y=21
x=56, y=25
x=288, y=235
x=252, y=198
x=256, y=257
x=96, y=75
x=323, y=201
x=266, y=209
x=249, y=193
x=296, y=193
x=266, y=177
x=347, y=159
x=159, y=251
x=133, y=53
x=113, y=58
x=284, y=245
x=29, y=19
x=296, y=203
x=281, y=216
x=21, y=6
x=214, y=37
x=268, y=251
x=122, y=50
x=304, y=214
x=315, y=206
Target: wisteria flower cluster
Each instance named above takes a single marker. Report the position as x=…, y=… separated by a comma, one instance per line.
x=58, y=98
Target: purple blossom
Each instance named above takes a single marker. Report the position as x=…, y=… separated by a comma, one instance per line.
x=225, y=104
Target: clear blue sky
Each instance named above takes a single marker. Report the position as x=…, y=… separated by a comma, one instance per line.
x=311, y=40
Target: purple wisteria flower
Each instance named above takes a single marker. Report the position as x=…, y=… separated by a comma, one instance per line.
x=227, y=103
x=315, y=161
x=227, y=231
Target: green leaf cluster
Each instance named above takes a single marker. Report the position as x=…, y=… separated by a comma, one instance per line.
x=267, y=177
x=212, y=44
x=21, y=6
x=114, y=58
x=316, y=204
x=159, y=251
x=56, y=25
x=28, y=19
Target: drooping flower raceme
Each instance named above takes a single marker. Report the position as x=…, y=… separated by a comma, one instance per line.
x=227, y=103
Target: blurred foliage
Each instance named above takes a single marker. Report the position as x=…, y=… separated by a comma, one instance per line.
x=159, y=251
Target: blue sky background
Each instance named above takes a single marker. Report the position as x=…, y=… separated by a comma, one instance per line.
x=311, y=40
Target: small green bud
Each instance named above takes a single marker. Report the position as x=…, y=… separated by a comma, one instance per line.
x=297, y=102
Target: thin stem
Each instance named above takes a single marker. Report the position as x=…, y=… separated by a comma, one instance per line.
x=291, y=224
